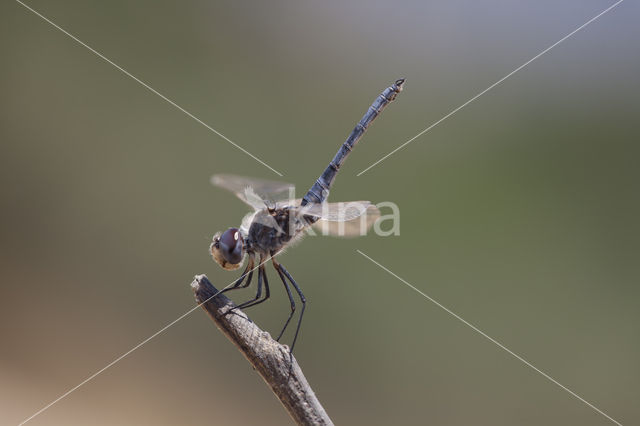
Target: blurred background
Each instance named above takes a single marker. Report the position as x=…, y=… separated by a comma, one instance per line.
x=519, y=213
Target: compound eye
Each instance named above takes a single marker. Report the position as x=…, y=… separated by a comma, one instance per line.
x=231, y=245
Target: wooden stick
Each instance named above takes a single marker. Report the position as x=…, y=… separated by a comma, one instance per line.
x=272, y=361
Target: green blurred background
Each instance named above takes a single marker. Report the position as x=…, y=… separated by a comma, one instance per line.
x=519, y=213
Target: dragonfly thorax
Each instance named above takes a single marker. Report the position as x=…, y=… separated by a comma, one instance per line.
x=273, y=228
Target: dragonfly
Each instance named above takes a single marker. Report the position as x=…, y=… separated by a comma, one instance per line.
x=277, y=220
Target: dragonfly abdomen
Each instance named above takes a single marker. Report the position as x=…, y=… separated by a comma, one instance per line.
x=320, y=189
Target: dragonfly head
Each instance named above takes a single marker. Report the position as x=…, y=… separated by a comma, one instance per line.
x=227, y=249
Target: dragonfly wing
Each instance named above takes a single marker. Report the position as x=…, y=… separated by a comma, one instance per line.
x=254, y=192
x=353, y=226
x=337, y=212
x=289, y=203
x=254, y=200
x=246, y=223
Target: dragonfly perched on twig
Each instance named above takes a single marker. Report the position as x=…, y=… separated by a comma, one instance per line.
x=277, y=221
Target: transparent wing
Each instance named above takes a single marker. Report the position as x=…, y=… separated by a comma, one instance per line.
x=356, y=225
x=246, y=223
x=337, y=212
x=255, y=192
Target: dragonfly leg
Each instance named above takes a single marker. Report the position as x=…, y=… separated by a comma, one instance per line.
x=276, y=265
x=262, y=275
x=304, y=304
x=238, y=284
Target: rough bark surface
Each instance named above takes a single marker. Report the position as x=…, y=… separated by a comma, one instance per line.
x=272, y=361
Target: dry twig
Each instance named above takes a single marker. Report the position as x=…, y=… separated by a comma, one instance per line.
x=278, y=368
